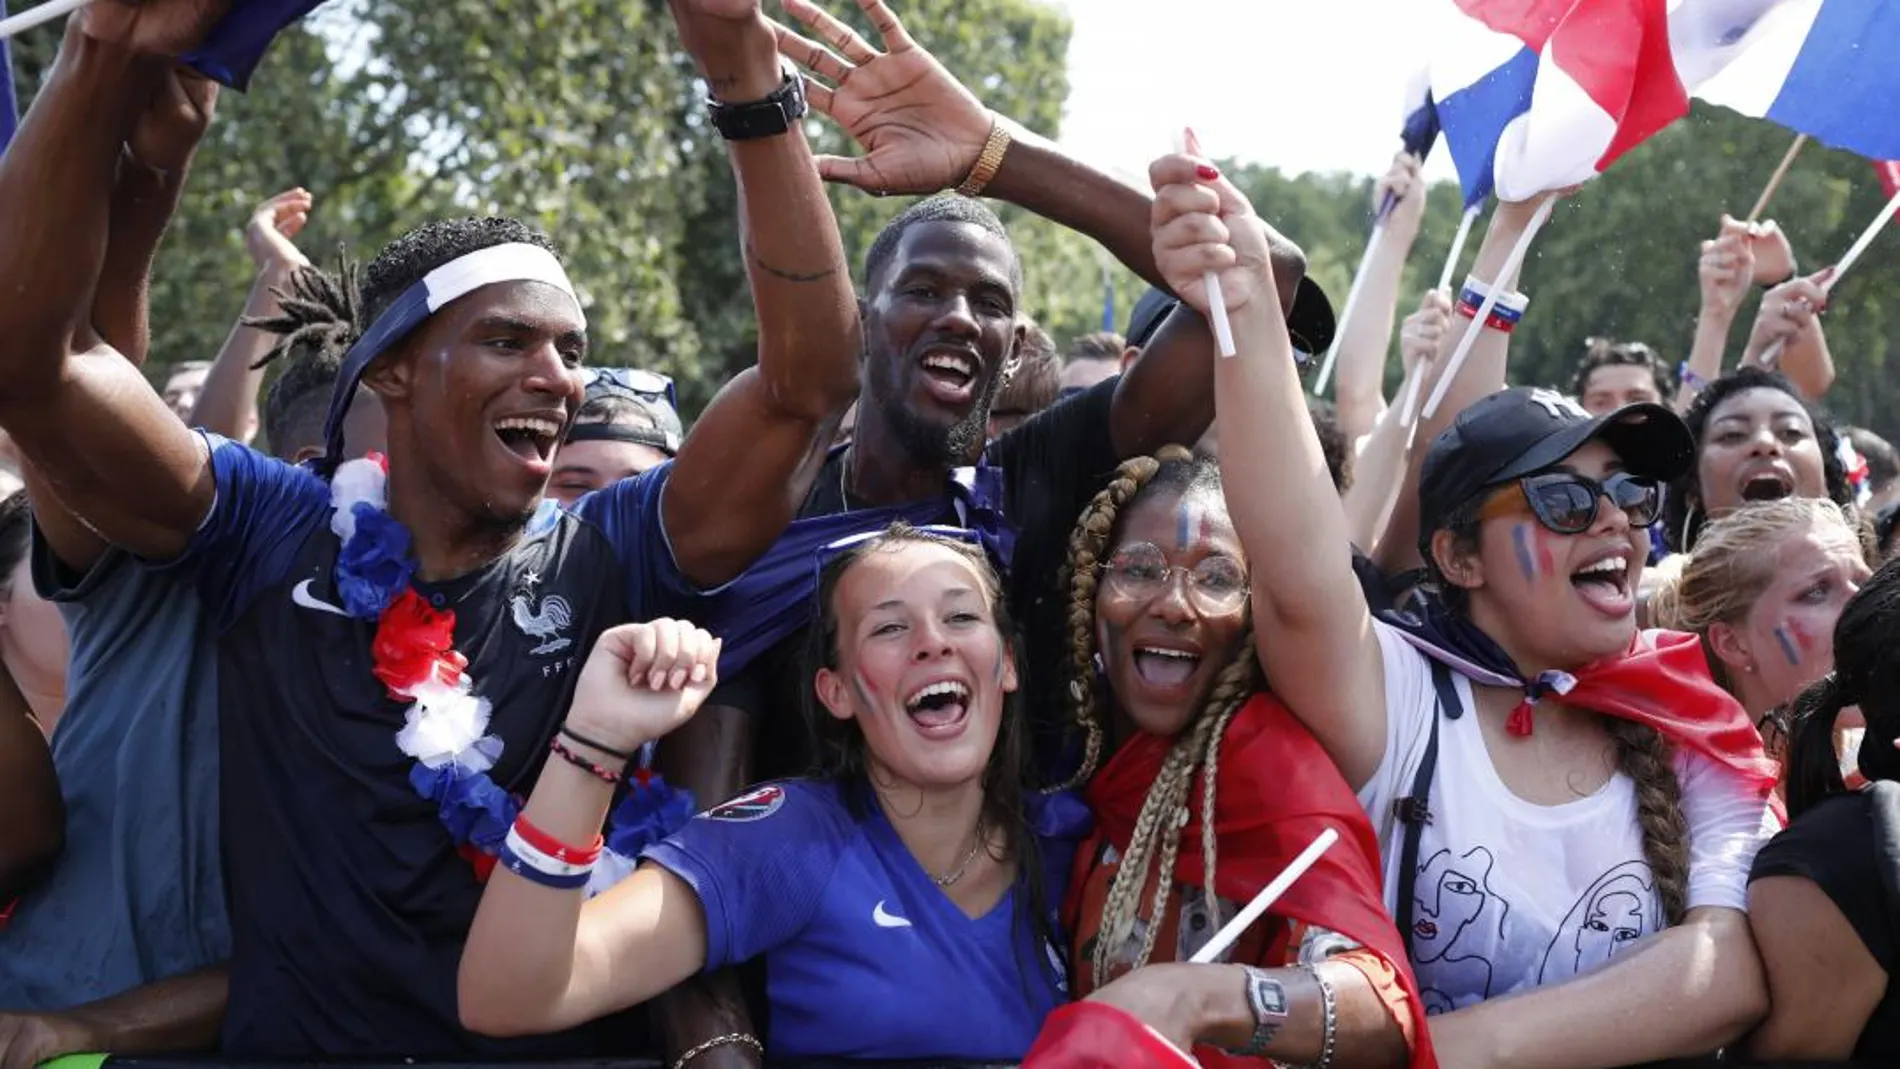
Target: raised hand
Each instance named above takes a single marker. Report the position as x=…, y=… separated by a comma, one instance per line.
x=1202, y=223
x=1403, y=183
x=1774, y=257
x=159, y=27
x=920, y=128
x=642, y=681
x=174, y=121
x=1787, y=312
x=1726, y=269
x=1423, y=330
x=270, y=235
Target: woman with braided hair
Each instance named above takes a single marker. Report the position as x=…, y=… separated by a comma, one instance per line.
x=1822, y=899
x=1566, y=808
x=1164, y=685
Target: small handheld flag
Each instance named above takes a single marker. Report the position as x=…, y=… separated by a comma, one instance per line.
x=229, y=54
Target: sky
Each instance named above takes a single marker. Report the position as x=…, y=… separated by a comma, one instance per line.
x=1304, y=85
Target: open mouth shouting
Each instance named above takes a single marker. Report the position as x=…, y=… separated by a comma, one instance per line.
x=1168, y=670
x=1605, y=583
x=533, y=439
x=1767, y=485
x=949, y=375
x=940, y=708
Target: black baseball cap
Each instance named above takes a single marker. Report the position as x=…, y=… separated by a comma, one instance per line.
x=1521, y=431
x=1310, y=325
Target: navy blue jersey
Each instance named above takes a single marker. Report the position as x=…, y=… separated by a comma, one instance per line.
x=349, y=902
x=865, y=956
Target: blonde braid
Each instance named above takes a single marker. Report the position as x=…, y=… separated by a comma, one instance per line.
x=1231, y=691
x=1644, y=757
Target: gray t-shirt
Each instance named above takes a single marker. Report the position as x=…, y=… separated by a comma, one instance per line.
x=138, y=895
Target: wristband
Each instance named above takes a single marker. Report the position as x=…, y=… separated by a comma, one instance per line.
x=547, y=844
x=528, y=867
x=577, y=736
x=1512, y=303
x=1499, y=320
x=1686, y=376
x=599, y=772
x=539, y=860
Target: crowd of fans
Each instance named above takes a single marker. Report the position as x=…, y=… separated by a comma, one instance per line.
x=940, y=674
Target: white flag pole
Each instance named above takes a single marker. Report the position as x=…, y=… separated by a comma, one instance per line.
x=1345, y=314
x=1458, y=245
x=1771, y=356
x=1268, y=895
x=1216, y=301
x=1511, y=265
x=37, y=16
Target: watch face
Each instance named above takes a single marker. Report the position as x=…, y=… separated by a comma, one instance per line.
x=1269, y=996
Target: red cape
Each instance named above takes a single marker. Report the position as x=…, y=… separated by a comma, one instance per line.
x=1276, y=791
x=1664, y=682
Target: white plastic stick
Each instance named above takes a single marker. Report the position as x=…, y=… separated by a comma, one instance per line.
x=1458, y=244
x=1408, y=408
x=1345, y=314
x=40, y=15
x=1511, y=264
x=1268, y=895
x=1770, y=357
x=1216, y=302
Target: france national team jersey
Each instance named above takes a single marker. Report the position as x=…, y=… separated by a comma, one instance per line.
x=349, y=903
x=865, y=956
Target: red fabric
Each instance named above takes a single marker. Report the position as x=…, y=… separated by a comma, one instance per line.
x=415, y=644
x=1090, y=1035
x=1276, y=791
x=1664, y=682
x=1889, y=171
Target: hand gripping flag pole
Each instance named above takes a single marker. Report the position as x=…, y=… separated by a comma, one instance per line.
x=38, y=16
x=1771, y=356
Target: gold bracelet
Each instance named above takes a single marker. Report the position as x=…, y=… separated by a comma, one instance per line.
x=729, y=1039
x=988, y=162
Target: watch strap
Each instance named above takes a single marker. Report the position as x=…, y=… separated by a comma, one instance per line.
x=1267, y=998
x=770, y=116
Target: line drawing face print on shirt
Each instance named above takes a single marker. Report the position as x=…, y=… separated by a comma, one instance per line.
x=886, y=920
x=301, y=596
x=1457, y=920
x=1617, y=911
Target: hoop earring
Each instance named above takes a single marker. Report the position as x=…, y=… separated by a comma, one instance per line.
x=1688, y=519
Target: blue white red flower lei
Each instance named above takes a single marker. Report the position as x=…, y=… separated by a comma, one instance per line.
x=446, y=727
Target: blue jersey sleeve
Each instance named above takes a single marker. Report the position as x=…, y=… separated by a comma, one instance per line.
x=628, y=513
x=263, y=512
x=759, y=864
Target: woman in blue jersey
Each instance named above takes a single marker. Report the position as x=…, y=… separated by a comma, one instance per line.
x=902, y=901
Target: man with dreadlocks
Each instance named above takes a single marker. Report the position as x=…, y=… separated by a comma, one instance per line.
x=404, y=630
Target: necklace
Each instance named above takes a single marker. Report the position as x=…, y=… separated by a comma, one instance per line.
x=964, y=866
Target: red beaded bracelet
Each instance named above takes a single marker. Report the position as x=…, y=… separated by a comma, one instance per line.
x=555, y=848
x=599, y=772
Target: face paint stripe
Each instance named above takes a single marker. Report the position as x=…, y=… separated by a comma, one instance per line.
x=1544, y=556
x=1183, y=525
x=1521, y=538
x=1787, y=647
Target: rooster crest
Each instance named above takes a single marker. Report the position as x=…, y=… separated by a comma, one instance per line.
x=546, y=623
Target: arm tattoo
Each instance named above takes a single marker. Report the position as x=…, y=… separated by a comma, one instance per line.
x=758, y=261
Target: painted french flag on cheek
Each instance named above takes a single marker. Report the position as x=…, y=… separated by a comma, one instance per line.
x=1536, y=95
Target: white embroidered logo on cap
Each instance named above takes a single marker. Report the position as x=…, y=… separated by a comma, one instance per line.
x=1559, y=406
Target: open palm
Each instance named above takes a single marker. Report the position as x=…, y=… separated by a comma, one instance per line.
x=158, y=27
x=920, y=128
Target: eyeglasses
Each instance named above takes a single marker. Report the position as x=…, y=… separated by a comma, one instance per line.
x=1216, y=584
x=647, y=385
x=1567, y=503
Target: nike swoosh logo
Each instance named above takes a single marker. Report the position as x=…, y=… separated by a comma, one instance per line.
x=301, y=595
x=885, y=920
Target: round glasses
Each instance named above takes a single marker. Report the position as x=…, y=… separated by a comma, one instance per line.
x=1567, y=503
x=1216, y=584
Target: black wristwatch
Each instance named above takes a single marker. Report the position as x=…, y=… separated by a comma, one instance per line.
x=769, y=117
x=1267, y=997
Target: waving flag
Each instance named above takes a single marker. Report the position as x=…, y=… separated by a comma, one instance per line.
x=9, y=107
x=235, y=46
x=1420, y=131
x=1826, y=68
x=1540, y=94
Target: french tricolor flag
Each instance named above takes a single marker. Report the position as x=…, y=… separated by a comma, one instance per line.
x=9, y=108
x=1540, y=94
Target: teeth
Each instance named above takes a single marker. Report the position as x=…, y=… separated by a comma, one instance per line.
x=1179, y=655
x=948, y=686
x=542, y=428
x=950, y=362
x=1607, y=566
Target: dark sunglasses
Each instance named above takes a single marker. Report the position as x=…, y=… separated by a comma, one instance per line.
x=643, y=384
x=1567, y=503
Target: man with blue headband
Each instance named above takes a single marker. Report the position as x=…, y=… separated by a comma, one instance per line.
x=398, y=638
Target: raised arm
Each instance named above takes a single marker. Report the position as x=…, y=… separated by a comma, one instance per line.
x=537, y=960
x=1314, y=631
x=82, y=415
x=1365, y=335
x=228, y=403
x=1379, y=472
x=745, y=469
x=150, y=183
x=1724, y=271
